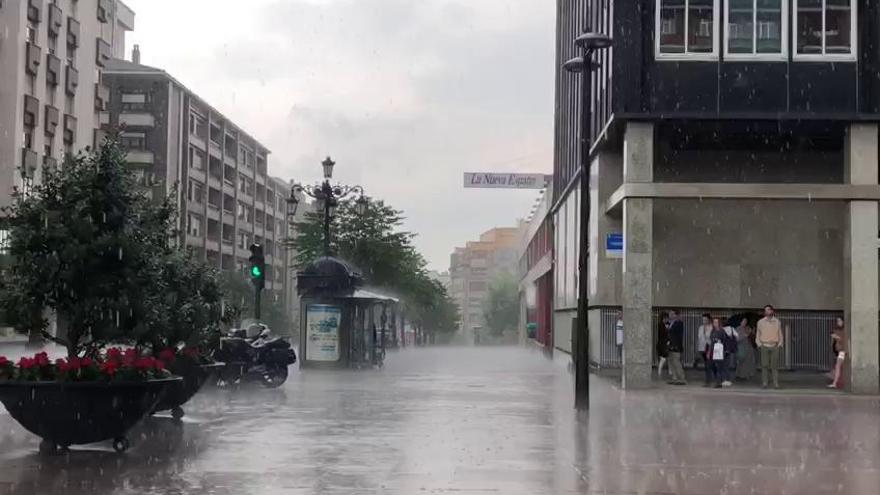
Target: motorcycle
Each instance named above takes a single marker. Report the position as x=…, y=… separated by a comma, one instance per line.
x=253, y=354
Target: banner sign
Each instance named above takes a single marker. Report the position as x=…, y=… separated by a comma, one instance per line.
x=480, y=180
x=322, y=337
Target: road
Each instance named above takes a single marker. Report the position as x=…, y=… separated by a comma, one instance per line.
x=471, y=421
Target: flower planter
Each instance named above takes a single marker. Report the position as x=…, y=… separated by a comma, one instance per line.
x=179, y=393
x=75, y=413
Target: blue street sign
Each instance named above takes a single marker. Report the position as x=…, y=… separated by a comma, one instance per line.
x=614, y=244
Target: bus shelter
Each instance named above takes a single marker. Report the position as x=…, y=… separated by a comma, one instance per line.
x=342, y=324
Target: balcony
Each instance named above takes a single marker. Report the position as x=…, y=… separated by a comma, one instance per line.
x=140, y=119
x=140, y=157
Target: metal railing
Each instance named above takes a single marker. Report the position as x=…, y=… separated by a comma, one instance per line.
x=807, y=336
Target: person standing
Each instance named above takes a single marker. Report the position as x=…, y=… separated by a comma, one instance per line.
x=662, y=343
x=745, y=351
x=730, y=343
x=839, y=344
x=770, y=340
x=618, y=335
x=715, y=354
x=676, y=347
x=703, y=333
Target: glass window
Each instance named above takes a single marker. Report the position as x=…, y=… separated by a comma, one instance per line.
x=825, y=27
x=756, y=27
x=686, y=27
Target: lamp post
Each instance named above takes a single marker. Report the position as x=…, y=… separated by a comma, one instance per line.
x=327, y=197
x=588, y=43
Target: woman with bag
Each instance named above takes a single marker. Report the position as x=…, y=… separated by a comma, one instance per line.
x=715, y=353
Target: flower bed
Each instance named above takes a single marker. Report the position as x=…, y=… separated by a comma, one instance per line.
x=82, y=400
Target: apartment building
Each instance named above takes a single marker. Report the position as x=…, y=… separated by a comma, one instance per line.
x=226, y=197
x=473, y=268
x=52, y=102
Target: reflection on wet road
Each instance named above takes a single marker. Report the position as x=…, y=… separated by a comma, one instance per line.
x=470, y=421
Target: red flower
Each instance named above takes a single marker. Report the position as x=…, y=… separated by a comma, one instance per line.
x=41, y=359
x=109, y=368
x=191, y=352
x=167, y=355
x=114, y=354
x=130, y=357
x=158, y=364
x=4, y=361
x=62, y=365
x=25, y=363
x=86, y=362
x=74, y=364
x=143, y=364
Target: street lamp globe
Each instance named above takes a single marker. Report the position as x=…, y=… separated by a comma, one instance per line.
x=328, y=167
x=593, y=41
x=575, y=65
x=331, y=206
x=360, y=205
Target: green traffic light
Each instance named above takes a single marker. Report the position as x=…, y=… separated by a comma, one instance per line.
x=256, y=272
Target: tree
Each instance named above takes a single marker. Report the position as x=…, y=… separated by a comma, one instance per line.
x=89, y=245
x=239, y=298
x=501, y=310
x=193, y=310
x=375, y=243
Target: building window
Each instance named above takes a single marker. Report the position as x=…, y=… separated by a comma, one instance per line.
x=134, y=101
x=756, y=28
x=133, y=140
x=825, y=28
x=196, y=192
x=193, y=225
x=687, y=28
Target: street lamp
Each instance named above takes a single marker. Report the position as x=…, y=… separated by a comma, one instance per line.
x=328, y=165
x=588, y=43
x=327, y=198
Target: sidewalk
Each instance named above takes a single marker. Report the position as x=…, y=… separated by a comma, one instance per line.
x=790, y=383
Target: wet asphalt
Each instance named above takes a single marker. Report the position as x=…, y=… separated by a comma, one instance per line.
x=471, y=421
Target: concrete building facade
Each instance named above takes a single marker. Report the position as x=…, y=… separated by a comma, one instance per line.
x=226, y=198
x=52, y=100
x=474, y=267
x=738, y=159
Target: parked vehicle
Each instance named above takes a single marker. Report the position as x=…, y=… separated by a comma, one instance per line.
x=254, y=354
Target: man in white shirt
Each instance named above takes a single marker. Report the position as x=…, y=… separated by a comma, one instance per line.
x=703, y=333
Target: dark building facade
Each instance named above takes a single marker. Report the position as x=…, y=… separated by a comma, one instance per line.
x=735, y=148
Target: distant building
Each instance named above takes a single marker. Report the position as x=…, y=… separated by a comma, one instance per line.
x=473, y=268
x=443, y=278
x=226, y=199
x=52, y=102
x=536, y=272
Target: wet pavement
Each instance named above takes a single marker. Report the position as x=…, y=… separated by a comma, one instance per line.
x=471, y=421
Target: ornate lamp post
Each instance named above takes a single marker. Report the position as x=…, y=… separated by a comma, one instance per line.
x=327, y=198
x=589, y=43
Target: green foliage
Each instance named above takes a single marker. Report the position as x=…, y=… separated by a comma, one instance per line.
x=90, y=245
x=501, y=310
x=239, y=298
x=375, y=243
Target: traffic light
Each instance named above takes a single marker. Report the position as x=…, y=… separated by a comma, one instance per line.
x=258, y=266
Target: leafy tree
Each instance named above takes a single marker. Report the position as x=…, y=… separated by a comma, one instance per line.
x=239, y=298
x=375, y=243
x=193, y=303
x=501, y=310
x=87, y=244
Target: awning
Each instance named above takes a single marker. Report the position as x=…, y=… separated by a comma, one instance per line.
x=365, y=294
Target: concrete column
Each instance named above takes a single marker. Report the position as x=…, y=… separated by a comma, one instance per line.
x=638, y=238
x=861, y=291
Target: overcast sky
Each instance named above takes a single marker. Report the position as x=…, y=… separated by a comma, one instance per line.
x=405, y=95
